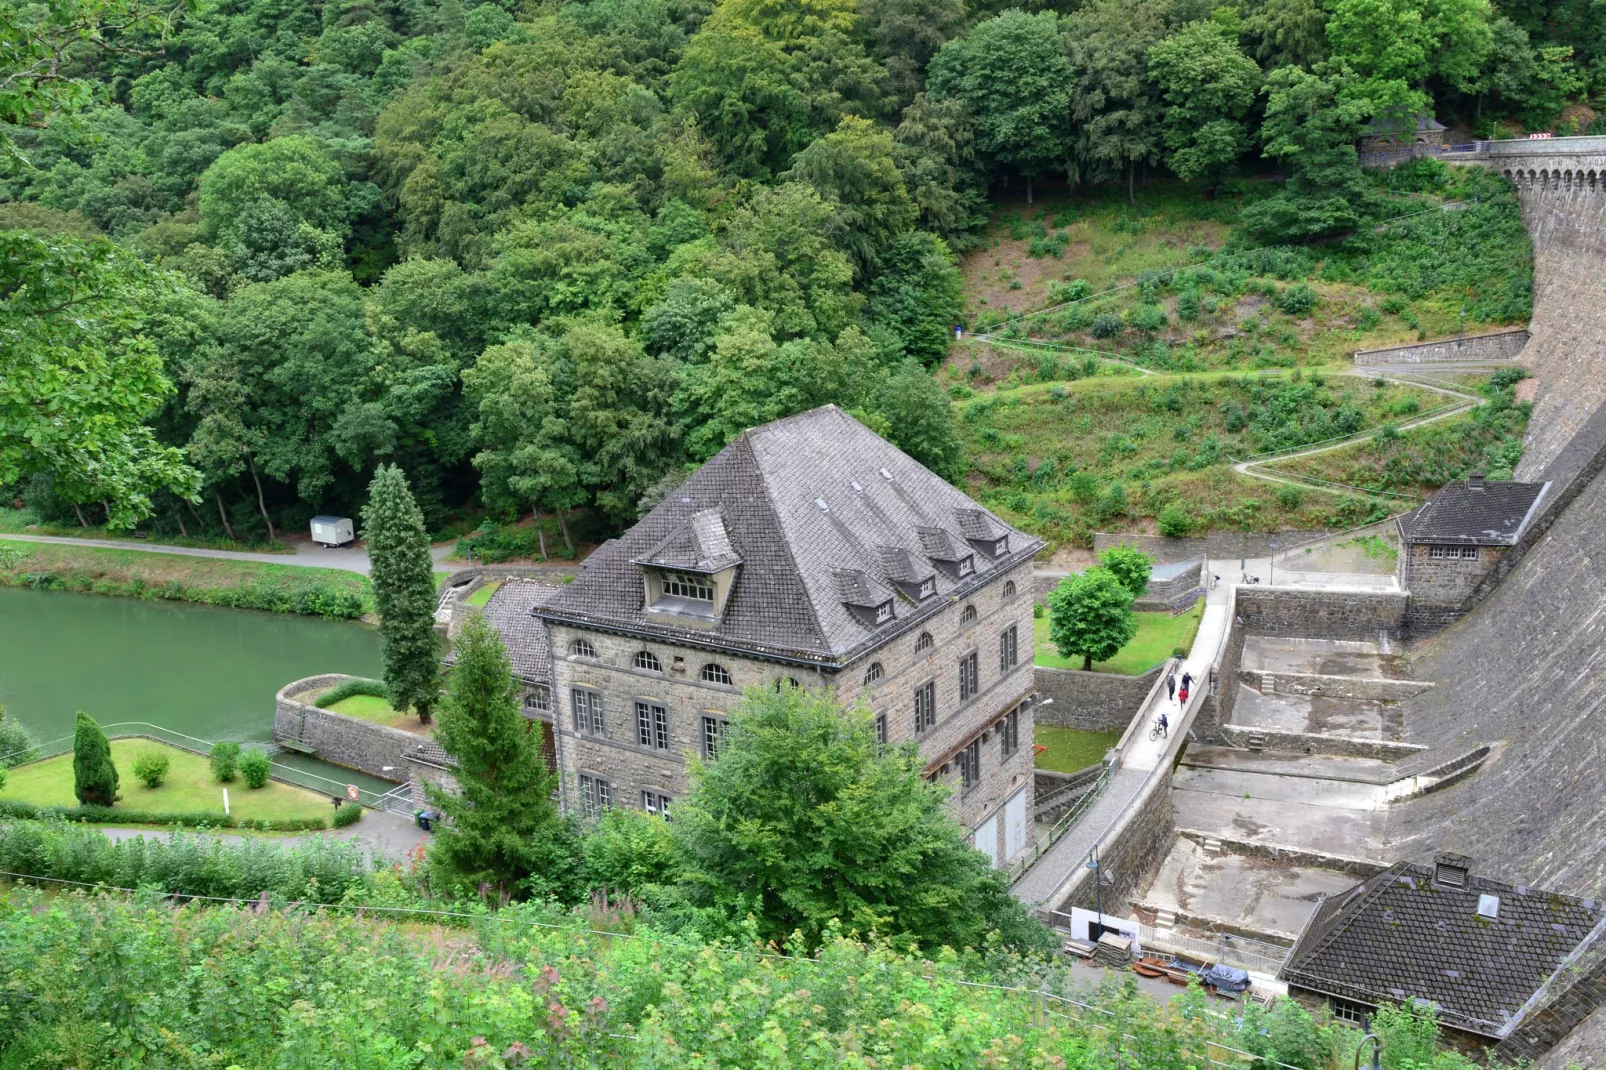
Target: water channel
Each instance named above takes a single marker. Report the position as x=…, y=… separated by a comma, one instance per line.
x=204, y=671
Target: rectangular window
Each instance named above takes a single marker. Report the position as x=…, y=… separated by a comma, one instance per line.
x=713, y=734
x=970, y=766
x=652, y=725
x=881, y=728
x=1444, y=551
x=587, y=710
x=966, y=566
x=688, y=585
x=925, y=706
x=596, y=795
x=1469, y=553
x=1009, y=738
x=928, y=587
x=1001, y=547
x=967, y=677
x=538, y=699
x=1008, y=651
x=654, y=803
x=1349, y=1011
x=883, y=613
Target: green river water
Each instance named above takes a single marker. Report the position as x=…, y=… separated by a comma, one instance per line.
x=204, y=671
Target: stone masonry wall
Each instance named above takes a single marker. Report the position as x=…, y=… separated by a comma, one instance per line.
x=1441, y=589
x=369, y=748
x=1131, y=854
x=1503, y=344
x=1306, y=614
x=1357, y=687
x=1216, y=545
x=1091, y=701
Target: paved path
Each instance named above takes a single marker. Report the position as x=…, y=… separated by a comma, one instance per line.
x=306, y=554
x=383, y=836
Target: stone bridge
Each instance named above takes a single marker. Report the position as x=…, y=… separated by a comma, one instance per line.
x=1555, y=163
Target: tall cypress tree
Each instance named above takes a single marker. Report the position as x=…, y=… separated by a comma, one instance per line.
x=404, y=592
x=94, y=777
x=502, y=824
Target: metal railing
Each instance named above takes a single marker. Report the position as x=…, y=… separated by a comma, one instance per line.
x=1257, y=956
x=300, y=778
x=1029, y=857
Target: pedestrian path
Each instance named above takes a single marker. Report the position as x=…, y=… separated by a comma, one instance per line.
x=306, y=555
x=384, y=837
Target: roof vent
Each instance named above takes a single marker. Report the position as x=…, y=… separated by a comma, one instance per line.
x=1450, y=870
x=1475, y=481
x=1489, y=907
x=856, y=485
x=886, y=474
x=819, y=503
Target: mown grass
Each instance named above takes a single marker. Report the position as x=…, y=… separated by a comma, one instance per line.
x=25, y=522
x=482, y=595
x=377, y=710
x=1158, y=635
x=174, y=577
x=189, y=787
x=1066, y=750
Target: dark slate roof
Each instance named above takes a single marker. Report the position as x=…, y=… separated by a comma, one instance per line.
x=701, y=544
x=1392, y=123
x=509, y=612
x=801, y=500
x=1495, y=515
x=1400, y=936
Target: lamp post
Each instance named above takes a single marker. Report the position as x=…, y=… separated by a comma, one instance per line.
x=1377, y=1047
x=1272, y=580
x=1098, y=889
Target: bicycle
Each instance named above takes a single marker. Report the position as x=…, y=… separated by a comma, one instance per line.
x=1250, y=579
x=1158, y=730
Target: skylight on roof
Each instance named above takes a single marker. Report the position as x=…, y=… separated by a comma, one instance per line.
x=856, y=485
x=1489, y=907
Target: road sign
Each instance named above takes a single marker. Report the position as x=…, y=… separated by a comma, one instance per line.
x=351, y=792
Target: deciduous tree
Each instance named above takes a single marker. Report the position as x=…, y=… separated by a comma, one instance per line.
x=1130, y=566
x=1208, y=85
x=1090, y=616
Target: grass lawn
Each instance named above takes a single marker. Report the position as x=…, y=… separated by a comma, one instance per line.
x=1070, y=749
x=189, y=787
x=482, y=594
x=379, y=711
x=1158, y=635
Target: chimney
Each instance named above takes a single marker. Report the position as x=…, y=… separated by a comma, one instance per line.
x=1475, y=481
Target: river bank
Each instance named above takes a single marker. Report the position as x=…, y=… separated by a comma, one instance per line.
x=276, y=588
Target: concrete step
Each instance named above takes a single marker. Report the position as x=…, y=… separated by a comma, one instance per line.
x=1165, y=919
x=1255, y=741
x=1211, y=846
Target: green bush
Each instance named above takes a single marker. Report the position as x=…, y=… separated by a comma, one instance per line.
x=1289, y=497
x=94, y=776
x=1174, y=522
x=1037, y=611
x=16, y=746
x=102, y=815
x=150, y=766
x=255, y=765
x=371, y=688
x=1106, y=325
x=1298, y=300
x=225, y=761
x=1149, y=318
x=348, y=815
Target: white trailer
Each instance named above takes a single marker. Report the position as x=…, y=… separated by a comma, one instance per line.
x=332, y=530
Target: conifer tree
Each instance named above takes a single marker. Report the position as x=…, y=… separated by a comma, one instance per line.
x=404, y=592
x=502, y=826
x=93, y=774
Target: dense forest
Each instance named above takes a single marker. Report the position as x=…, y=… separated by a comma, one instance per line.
x=546, y=256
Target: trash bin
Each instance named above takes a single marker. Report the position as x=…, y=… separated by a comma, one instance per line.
x=424, y=820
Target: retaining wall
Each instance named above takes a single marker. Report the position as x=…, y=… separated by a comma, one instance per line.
x=1129, y=855
x=1091, y=701
x=1308, y=683
x=369, y=748
x=1216, y=545
x=471, y=577
x=1304, y=614
x=1503, y=344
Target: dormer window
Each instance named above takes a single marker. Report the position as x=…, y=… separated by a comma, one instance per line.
x=687, y=585
x=883, y=612
x=967, y=565
x=1001, y=547
x=928, y=587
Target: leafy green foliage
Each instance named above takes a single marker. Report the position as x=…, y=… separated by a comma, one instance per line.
x=404, y=592
x=1130, y=566
x=150, y=766
x=225, y=759
x=16, y=745
x=255, y=767
x=805, y=822
x=1208, y=85
x=1090, y=616
x=372, y=688
x=632, y=852
x=347, y=815
x=94, y=776
x=501, y=827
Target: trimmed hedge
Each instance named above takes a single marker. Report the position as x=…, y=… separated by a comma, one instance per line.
x=114, y=815
x=371, y=688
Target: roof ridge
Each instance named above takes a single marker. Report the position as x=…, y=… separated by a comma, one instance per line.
x=785, y=544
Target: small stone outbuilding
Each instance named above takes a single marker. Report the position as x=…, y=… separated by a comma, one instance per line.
x=1402, y=134
x=1455, y=539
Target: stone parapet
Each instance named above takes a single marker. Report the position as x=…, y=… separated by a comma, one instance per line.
x=1306, y=614
x=1503, y=344
x=1215, y=545
x=375, y=749
x=1314, y=743
x=1091, y=701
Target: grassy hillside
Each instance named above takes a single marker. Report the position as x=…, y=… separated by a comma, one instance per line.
x=1249, y=350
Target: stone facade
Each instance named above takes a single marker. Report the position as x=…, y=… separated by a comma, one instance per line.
x=1503, y=344
x=369, y=748
x=1365, y=688
x=1091, y=701
x=639, y=775
x=1442, y=587
x=1359, y=615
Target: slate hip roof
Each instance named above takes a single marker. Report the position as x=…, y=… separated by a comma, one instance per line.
x=805, y=503
x=510, y=612
x=1401, y=936
x=1495, y=515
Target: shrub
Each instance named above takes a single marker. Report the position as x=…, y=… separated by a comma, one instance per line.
x=1076, y=318
x=1174, y=522
x=1113, y=503
x=1394, y=305
x=93, y=774
x=225, y=760
x=372, y=688
x=1075, y=290
x=255, y=766
x=1106, y=325
x=1289, y=497
x=1298, y=300
x=1369, y=317
x=1037, y=611
x=1149, y=318
x=1188, y=306
x=150, y=766
x=16, y=746
x=348, y=815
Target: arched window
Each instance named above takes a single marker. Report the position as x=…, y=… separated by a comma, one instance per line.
x=582, y=648
x=716, y=674
x=1009, y=590
x=924, y=643
x=786, y=681
x=968, y=616
x=874, y=672
x=646, y=659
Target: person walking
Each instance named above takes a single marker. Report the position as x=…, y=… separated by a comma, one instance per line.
x=1187, y=681
x=1170, y=686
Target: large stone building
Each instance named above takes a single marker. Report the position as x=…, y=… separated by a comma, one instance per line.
x=808, y=552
